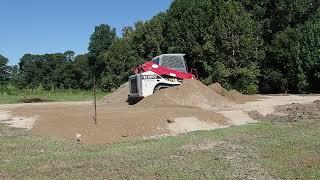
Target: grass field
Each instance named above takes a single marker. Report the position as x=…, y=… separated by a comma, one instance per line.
x=9, y=96
x=262, y=150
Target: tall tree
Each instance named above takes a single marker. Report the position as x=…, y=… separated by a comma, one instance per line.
x=148, y=37
x=296, y=55
x=4, y=69
x=279, y=20
x=82, y=72
x=122, y=56
x=220, y=39
x=277, y=15
x=100, y=42
x=101, y=39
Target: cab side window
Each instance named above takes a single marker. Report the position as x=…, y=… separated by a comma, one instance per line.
x=156, y=61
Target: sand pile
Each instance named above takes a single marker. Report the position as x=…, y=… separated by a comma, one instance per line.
x=218, y=88
x=189, y=93
x=232, y=95
x=118, y=96
x=115, y=123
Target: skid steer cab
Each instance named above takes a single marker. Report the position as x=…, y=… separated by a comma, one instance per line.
x=164, y=71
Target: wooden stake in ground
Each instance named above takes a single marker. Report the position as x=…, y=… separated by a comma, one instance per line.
x=95, y=100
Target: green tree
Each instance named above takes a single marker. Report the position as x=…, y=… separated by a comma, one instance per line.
x=100, y=42
x=148, y=37
x=82, y=72
x=220, y=39
x=69, y=55
x=48, y=70
x=4, y=69
x=15, y=76
x=279, y=20
x=297, y=56
x=277, y=15
x=271, y=46
x=120, y=59
x=101, y=39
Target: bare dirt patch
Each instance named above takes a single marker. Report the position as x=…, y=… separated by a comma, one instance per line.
x=189, y=107
x=114, y=123
x=267, y=104
x=290, y=113
x=7, y=118
x=188, y=124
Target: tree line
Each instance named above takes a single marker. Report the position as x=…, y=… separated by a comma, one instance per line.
x=253, y=46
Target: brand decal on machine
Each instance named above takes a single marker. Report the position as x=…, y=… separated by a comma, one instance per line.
x=149, y=77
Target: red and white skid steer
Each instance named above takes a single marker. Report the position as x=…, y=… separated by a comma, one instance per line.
x=164, y=71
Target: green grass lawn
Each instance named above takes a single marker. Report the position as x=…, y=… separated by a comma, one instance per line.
x=55, y=96
x=262, y=150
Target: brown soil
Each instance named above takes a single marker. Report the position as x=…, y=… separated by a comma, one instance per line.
x=255, y=115
x=218, y=88
x=170, y=111
x=118, y=97
x=188, y=107
x=114, y=123
x=34, y=100
x=190, y=93
x=184, y=108
x=232, y=95
x=296, y=108
x=290, y=113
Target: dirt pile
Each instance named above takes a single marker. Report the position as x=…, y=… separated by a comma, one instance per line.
x=115, y=123
x=117, y=97
x=190, y=93
x=34, y=100
x=232, y=95
x=71, y=120
x=291, y=112
x=296, y=108
x=218, y=88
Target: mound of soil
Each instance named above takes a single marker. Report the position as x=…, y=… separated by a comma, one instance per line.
x=291, y=113
x=75, y=122
x=317, y=103
x=232, y=95
x=34, y=100
x=296, y=108
x=190, y=93
x=255, y=115
x=218, y=88
x=119, y=96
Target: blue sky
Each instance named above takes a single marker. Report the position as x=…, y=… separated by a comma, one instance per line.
x=48, y=26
